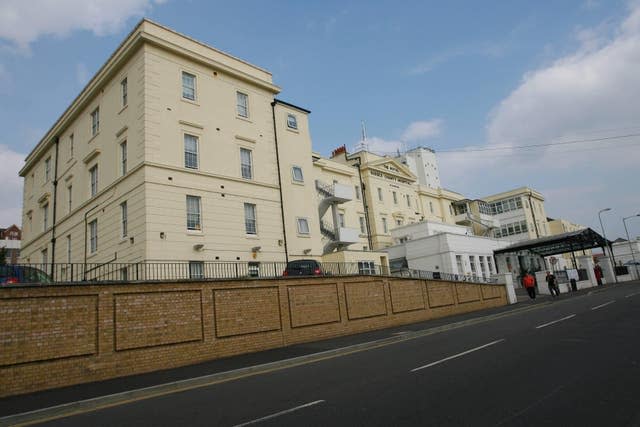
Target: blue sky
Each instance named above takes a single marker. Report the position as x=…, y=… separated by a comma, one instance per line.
x=463, y=76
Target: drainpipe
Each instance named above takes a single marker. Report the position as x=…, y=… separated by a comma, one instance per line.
x=364, y=202
x=284, y=227
x=535, y=223
x=55, y=203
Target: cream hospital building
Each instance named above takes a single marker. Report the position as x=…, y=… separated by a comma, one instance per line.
x=176, y=151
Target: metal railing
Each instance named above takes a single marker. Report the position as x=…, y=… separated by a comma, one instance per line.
x=200, y=270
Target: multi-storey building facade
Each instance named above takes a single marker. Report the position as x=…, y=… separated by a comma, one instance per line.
x=176, y=151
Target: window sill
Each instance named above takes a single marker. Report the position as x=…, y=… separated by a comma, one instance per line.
x=92, y=255
x=123, y=240
x=293, y=181
x=189, y=101
x=123, y=108
x=244, y=119
x=252, y=236
x=304, y=236
x=93, y=137
x=292, y=130
x=194, y=233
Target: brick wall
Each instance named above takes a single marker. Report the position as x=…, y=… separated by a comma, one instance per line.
x=53, y=336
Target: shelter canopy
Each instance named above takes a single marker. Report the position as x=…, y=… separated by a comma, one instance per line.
x=558, y=244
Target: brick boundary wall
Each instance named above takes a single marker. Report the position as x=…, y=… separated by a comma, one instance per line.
x=55, y=336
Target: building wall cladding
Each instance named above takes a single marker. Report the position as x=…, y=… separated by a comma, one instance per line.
x=92, y=333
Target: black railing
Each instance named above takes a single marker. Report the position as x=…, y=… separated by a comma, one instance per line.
x=199, y=270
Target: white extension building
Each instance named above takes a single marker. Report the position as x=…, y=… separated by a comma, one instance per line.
x=446, y=248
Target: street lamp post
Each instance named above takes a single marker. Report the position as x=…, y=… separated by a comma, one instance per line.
x=613, y=265
x=626, y=230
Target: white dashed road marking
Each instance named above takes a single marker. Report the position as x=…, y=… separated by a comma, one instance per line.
x=544, y=325
x=277, y=414
x=457, y=355
x=602, y=305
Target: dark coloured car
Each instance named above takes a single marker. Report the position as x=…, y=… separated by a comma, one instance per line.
x=11, y=274
x=303, y=267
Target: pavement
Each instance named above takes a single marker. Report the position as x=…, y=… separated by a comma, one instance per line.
x=83, y=398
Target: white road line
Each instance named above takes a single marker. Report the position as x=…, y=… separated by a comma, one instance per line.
x=457, y=355
x=633, y=294
x=277, y=414
x=544, y=325
x=602, y=305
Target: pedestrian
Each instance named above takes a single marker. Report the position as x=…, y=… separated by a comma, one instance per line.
x=530, y=285
x=553, y=284
x=597, y=270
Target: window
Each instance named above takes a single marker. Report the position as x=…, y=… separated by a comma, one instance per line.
x=303, y=226
x=250, y=218
x=93, y=236
x=246, y=167
x=490, y=264
x=385, y=228
x=70, y=198
x=71, y=146
x=93, y=173
x=190, y=151
x=363, y=228
x=292, y=121
x=124, y=273
x=123, y=91
x=408, y=200
x=431, y=206
x=242, y=104
x=472, y=264
x=95, y=121
x=366, y=267
x=450, y=209
x=395, y=198
x=69, y=248
x=47, y=169
x=193, y=213
x=45, y=258
x=196, y=270
x=123, y=219
x=123, y=158
x=459, y=264
x=296, y=171
x=188, y=86
x=358, y=195
x=340, y=220
x=30, y=221
x=379, y=193
x=45, y=216
x=253, y=269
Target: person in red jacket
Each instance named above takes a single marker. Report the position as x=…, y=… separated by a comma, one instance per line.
x=530, y=285
x=597, y=270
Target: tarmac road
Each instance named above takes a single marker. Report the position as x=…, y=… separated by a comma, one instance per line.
x=569, y=361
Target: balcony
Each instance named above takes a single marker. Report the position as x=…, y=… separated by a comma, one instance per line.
x=338, y=238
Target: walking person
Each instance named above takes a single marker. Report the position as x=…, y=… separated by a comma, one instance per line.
x=530, y=285
x=597, y=270
x=553, y=284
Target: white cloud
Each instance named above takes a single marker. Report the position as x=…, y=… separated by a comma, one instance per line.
x=23, y=22
x=591, y=93
x=11, y=188
x=421, y=130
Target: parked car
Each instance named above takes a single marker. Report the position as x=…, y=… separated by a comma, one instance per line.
x=10, y=274
x=303, y=267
